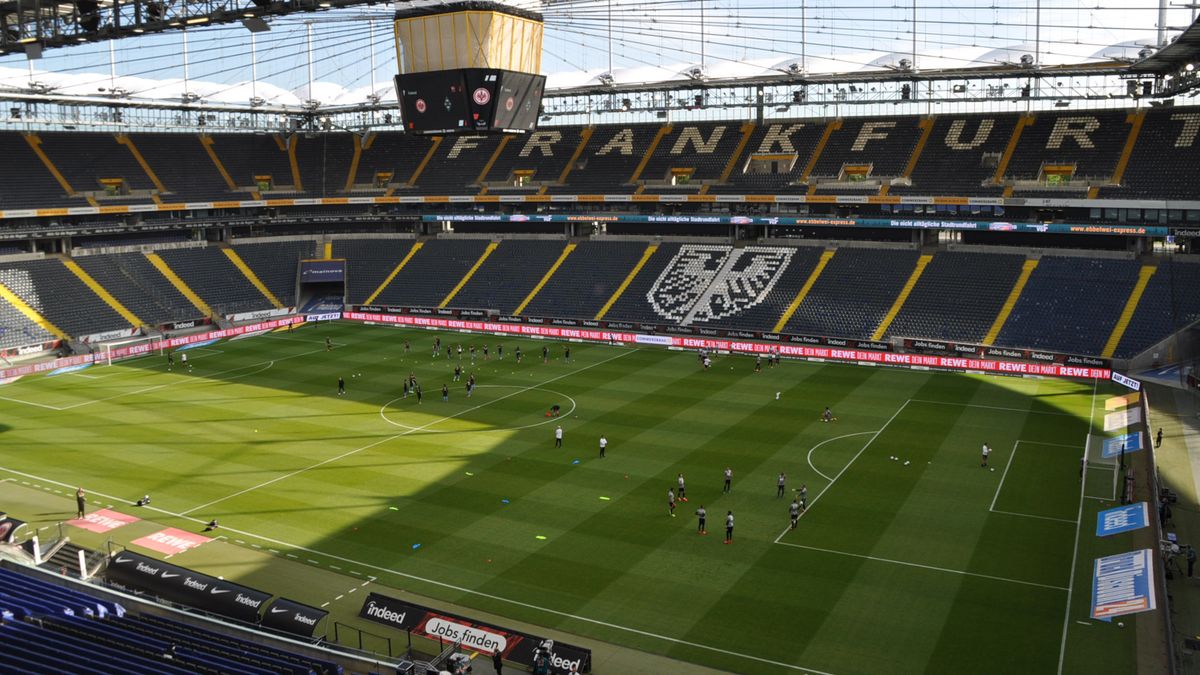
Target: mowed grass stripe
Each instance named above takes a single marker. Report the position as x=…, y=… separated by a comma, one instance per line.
x=650, y=573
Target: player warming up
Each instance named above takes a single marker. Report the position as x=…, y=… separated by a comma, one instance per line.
x=987, y=450
x=729, y=527
x=702, y=518
x=682, y=488
x=827, y=416
x=794, y=512
x=671, y=502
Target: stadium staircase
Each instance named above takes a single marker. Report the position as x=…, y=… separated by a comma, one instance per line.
x=631, y=277
x=815, y=274
x=251, y=276
x=1070, y=304
x=1006, y=309
x=416, y=246
x=1169, y=303
x=487, y=252
x=905, y=290
x=179, y=284
x=102, y=293
x=125, y=140
x=1135, y=120
x=34, y=328
x=508, y=275
x=210, y=149
x=830, y=127
x=662, y=133
x=63, y=558
x=562, y=257
x=1135, y=296
x=35, y=144
x=48, y=287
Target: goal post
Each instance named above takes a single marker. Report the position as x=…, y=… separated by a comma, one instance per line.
x=130, y=349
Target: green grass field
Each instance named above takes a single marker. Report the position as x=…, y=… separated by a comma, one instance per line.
x=925, y=563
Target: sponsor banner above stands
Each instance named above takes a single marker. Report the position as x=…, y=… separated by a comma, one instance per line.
x=477, y=636
x=293, y=617
x=29, y=350
x=184, y=325
x=633, y=333
x=817, y=221
x=260, y=314
x=321, y=271
x=119, y=334
x=1123, y=584
x=921, y=346
x=181, y=585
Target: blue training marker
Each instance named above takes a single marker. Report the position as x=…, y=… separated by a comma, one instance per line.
x=575, y=461
x=416, y=546
x=503, y=501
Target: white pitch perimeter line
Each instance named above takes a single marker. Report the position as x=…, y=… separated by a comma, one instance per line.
x=1000, y=485
x=925, y=567
x=1062, y=649
x=1004, y=475
x=32, y=403
x=852, y=460
x=993, y=407
x=830, y=440
x=461, y=589
x=393, y=437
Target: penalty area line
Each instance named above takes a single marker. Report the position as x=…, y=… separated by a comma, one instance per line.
x=844, y=468
x=462, y=589
x=925, y=567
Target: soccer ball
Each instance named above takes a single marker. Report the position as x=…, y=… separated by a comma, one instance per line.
x=777, y=395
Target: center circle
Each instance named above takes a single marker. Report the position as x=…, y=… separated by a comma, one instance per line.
x=383, y=412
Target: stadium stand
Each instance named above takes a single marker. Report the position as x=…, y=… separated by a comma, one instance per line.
x=1162, y=164
x=771, y=300
x=958, y=296
x=962, y=157
x=393, y=155
x=1070, y=304
x=508, y=275
x=276, y=263
x=854, y=293
x=633, y=304
x=25, y=181
x=433, y=272
x=586, y=279
x=215, y=279
x=544, y=154
x=138, y=286
x=1089, y=141
x=882, y=146
x=457, y=163
x=85, y=159
x=43, y=283
x=50, y=627
x=368, y=263
x=184, y=167
x=1169, y=303
x=608, y=162
x=956, y=158
x=18, y=330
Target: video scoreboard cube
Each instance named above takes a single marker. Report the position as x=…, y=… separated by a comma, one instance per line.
x=470, y=100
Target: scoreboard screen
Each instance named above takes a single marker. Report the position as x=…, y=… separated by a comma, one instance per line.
x=471, y=100
x=433, y=102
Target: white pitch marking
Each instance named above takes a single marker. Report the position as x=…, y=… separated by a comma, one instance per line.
x=393, y=437
x=830, y=440
x=927, y=567
x=481, y=594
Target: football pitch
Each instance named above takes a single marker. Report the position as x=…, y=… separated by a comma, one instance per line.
x=911, y=556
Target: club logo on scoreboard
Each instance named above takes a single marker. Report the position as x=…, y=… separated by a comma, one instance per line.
x=420, y=105
x=508, y=104
x=482, y=96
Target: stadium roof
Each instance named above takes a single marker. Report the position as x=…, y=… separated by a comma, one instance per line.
x=964, y=62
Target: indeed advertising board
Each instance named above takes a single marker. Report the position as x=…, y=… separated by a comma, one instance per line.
x=483, y=637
